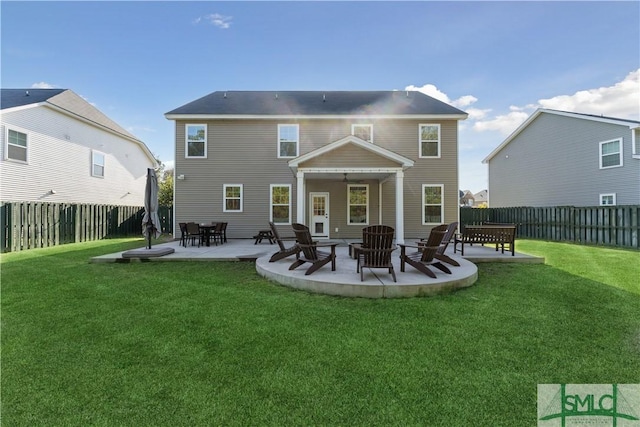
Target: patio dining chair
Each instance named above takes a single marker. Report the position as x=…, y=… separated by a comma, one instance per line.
x=284, y=251
x=375, y=250
x=218, y=233
x=309, y=252
x=183, y=234
x=424, y=257
x=193, y=233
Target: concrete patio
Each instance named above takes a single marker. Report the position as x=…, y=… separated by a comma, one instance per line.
x=344, y=281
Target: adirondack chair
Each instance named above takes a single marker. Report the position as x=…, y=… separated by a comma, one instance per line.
x=440, y=255
x=424, y=257
x=284, y=251
x=309, y=251
x=375, y=250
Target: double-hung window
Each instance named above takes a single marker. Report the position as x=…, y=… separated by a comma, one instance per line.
x=611, y=154
x=195, y=141
x=358, y=204
x=232, y=198
x=364, y=132
x=288, y=138
x=16, y=148
x=280, y=204
x=97, y=164
x=432, y=204
x=429, y=140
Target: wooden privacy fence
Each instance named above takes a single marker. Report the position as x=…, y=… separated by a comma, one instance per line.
x=599, y=225
x=28, y=225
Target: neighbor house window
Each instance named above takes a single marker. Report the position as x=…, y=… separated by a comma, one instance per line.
x=364, y=132
x=608, y=199
x=432, y=204
x=611, y=154
x=288, y=138
x=429, y=140
x=97, y=164
x=280, y=204
x=232, y=198
x=16, y=148
x=358, y=204
x=196, y=141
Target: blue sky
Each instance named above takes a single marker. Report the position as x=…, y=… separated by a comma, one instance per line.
x=499, y=61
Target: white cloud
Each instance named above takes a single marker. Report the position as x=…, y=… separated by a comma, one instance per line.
x=42, y=85
x=215, y=19
x=505, y=123
x=434, y=92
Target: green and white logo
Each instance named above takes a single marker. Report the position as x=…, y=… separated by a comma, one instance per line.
x=565, y=405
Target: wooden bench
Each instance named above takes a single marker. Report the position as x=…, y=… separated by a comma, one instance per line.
x=498, y=234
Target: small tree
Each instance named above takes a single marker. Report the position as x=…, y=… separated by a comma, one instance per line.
x=165, y=190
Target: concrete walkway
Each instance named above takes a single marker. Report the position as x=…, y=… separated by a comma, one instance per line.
x=344, y=281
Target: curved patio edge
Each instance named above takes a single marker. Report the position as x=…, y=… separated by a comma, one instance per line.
x=345, y=282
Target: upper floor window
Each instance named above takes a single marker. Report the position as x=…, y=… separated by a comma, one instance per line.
x=611, y=154
x=16, y=148
x=429, y=140
x=97, y=164
x=358, y=204
x=608, y=199
x=288, y=137
x=280, y=204
x=364, y=132
x=232, y=198
x=196, y=141
x=432, y=204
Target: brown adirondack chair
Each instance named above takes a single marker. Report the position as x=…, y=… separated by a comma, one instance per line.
x=376, y=248
x=284, y=251
x=309, y=251
x=424, y=257
x=440, y=255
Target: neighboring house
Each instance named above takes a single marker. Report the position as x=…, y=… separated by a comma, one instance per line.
x=56, y=147
x=558, y=158
x=466, y=198
x=481, y=198
x=336, y=161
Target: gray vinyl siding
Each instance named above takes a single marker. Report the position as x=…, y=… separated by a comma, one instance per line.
x=245, y=152
x=554, y=161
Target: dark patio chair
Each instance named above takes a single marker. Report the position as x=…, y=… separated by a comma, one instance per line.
x=218, y=233
x=183, y=234
x=440, y=255
x=375, y=250
x=193, y=233
x=424, y=257
x=309, y=251
x=284, y=251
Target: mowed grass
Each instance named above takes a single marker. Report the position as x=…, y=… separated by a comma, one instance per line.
x=197, y=343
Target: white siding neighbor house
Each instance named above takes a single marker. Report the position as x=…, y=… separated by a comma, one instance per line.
x=559, y=158
x=56, y=147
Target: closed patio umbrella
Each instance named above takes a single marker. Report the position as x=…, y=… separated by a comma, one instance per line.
x=151, y=221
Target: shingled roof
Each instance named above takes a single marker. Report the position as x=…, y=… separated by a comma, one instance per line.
x=316, y=103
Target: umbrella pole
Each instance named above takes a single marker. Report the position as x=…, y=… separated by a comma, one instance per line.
x=150, y=223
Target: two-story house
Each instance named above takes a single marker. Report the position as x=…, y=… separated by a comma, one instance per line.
x=559, y=158
x=57, y=147
x=335, y=161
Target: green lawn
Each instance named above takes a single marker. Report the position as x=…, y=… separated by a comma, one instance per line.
x=215, y=344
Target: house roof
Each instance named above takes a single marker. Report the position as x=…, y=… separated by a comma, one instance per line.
x=67, y=102
x=315, y=104
x=603, y=119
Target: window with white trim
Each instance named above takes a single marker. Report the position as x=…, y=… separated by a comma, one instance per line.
x=16, y=147
x=608, y=199
x=97, y=164
x=358, y=204
x=232, y=197
x=195, y=141
x=288, y=140
x=364, y=132
x=611, y=153
x=280, y=204
x=429, y=140
x=432, y=204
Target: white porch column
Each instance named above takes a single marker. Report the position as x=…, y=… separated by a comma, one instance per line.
x=300, y=191
x=399, y=207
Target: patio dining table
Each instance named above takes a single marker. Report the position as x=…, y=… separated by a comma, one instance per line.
x=206, y=229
